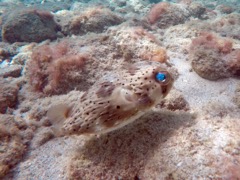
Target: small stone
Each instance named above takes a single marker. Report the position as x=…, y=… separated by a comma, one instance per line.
x=236, y=98
x=174, y=101
x=11, y=71
x=21, y=58
x=8, y=95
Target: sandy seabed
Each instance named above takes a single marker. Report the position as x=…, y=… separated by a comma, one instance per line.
x=193, y=134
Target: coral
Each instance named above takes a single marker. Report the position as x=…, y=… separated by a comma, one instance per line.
x=214, y=57
x=46, y=67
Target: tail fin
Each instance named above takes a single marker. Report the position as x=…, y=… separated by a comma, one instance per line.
x=57, y=114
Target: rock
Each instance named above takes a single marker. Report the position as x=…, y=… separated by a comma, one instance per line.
x=14, y=137
x=29, y=25
x=21, y=58
x=52, y=5
x=92, y=20
x=8, y=95
x=4, y=53
x=226, y=9
x=236, y=98
x=43, y=136
x=11, y=71
x=8, y=50
x=44, y=69
x=213, y=57
x=164, y=14
x=174, y=101
x=196, y=9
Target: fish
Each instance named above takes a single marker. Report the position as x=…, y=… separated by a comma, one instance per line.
x=115, y=100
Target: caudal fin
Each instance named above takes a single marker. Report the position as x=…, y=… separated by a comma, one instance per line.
x=57, y=114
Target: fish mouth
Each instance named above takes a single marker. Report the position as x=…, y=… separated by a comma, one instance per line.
x=166, y=88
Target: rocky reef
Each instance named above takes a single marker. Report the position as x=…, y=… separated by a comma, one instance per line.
x=54, y=53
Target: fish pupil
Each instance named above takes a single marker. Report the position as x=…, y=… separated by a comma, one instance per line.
x=161, y=77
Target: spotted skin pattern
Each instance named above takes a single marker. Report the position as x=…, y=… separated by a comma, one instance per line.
x=117, y=99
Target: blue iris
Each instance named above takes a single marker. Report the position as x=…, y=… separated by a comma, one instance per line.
x=161, y=77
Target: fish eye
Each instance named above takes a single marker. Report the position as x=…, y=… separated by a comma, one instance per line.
x=162, y=77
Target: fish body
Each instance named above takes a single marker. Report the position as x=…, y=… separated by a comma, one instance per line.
x=115, y=100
